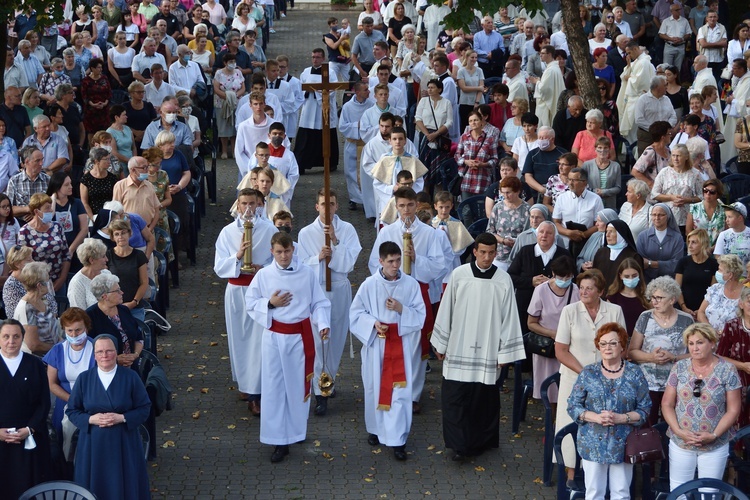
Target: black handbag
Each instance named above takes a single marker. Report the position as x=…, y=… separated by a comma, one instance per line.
x=643, y=445
x=540, y=344
x=443, y=142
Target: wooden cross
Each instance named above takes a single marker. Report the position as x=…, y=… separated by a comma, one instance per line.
x=326, y=86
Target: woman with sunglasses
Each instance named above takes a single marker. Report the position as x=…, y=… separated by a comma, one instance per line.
x=656, y=343
x=708, y=214
x=701, y=404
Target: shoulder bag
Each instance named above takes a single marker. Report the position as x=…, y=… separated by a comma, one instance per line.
x=540, y=344
x=443, y=142
x=643, y=445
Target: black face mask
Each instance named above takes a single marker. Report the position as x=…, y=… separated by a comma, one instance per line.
x=277, y=141
x=284, y=229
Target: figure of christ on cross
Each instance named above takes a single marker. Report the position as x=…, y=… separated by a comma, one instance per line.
x=326, y=87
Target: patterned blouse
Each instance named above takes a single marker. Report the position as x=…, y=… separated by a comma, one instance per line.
x=720, y=308
x=507, y=223
x=50, y=82
x=555, y=187
x=656, y=337
x=714, y=226
x=650, y=163
x=50, y=247
x=702, y=414
x=686, y=184
x=735, y=344
x=595, y=392
x=743, y=155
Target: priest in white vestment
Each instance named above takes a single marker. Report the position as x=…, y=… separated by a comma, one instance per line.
x=427, y=264
x=387, y=315
x=350, y=127
x=703, y=75
x=343, y=252
x=243, y=334
x=477, y=330
x=548, y=87
x=740, y=95
x=636, y=81
x=286, y=299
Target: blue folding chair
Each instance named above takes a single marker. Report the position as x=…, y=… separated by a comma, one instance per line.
x=576, y=487
x=549, y=428
x=523, y=388
x=53, y=490
x=692, y=490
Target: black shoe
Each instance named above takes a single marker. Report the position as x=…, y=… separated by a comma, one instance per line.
x=458, y=457
x=399, y=452
x=428, y=369
x=321, y=406
x=352, y=205
x=279, y=453
x=372, y=440
x=416, y=408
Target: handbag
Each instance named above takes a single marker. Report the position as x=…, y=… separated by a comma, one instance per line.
x=540, y=344
x=443, y=142
x=719, y=138
x=643, y=445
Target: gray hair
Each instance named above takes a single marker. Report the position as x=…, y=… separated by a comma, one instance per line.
x=599, y=26
x=732, y=264
x=149, y=39
x=101, y=284
x=743, y=297
x=640, y=188
x=164, y=137
x=61, y=90
x=55, y=61
x=25, y=153
x=696, y=146
x=578, y=170
x=408, y=26
x=24, y=43
x=701, y=59
x=182, y=49
x=34, y=273
x=70, y=51
x=199, y=27
x=657, y=81
x=91, y=248
x=183, y=101
x=39, y=120
x=97, y=154
x=546, y=130
x=575, y=99
x=595, y=115
x=133, y=162
x=666, y=284
x=616, y=9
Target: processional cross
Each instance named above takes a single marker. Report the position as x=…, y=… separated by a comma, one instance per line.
x=326, y=86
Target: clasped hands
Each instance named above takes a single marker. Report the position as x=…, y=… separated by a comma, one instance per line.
x=106, y=419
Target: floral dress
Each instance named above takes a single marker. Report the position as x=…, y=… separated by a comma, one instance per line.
x=720, y=308
x=555, y=187
x=611, y=118
x=161, y=185
x=96, y=91
x=84, y=58
x=50, y=247
x=735, y=344
x=657, y=337
x=49, y=82
x=686, y=184
x=714, y=226
x=507, y=222
x=233, y=82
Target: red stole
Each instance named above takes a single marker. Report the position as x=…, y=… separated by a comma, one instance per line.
x=429, y=322
x=308, y=344
x=394, y=372
x=276, y=152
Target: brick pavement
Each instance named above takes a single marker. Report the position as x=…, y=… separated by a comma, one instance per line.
x=208, y=445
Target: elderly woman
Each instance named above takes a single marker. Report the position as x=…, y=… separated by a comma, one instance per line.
x=697, y=148
x=24, y=392
x=587, y=141
x=175, y=165
x=603, y=71
x=620, y=245
x=73, y=69
x=513, y=129
x=695, y=272
x=599, y=39
x=508, y=168
x=655, y=157
x=254, y=52
x=701, y=404
x=574, y=342
x=608, y=399
x=538, y=213
x=558, y=183
x=657, y=339
x=109, y=455
x=34, y=312
x=628, y=291
x=531, y=266
x=93, y=255
x=130, y=265
x=661, y=246
x=98, y=183
x=603, y=173
x=721, y=299
x=96, y=52
x=65, y=363
x=544, y=310
x=81, y=54
x=13, y=290
x=475, y=165
x=585, y=260
x=229, y=79
x=47, y=238
x=734, y=347
x=508, y=219
x=635, y=211
x=110, y=315
x=140, y=113
x=96, y=94
x=678, y=185
x=708, y=214
x=51, y=80
x=69, y=211
x=160, y=180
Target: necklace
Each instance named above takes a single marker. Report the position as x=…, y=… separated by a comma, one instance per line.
x=83, y=351
x=663, y=322
x=622, y=364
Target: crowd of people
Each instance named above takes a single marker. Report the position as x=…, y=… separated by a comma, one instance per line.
x=642, y=302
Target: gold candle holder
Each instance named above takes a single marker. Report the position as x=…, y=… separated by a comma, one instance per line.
x=247, y=257
x=407, y=245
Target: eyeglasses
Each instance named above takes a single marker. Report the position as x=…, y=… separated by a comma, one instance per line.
x=657, y=298
x=709, y=191
x=116, y=290
x=612, y=343
x=4, y=207
x=105, y=352
x=697, y=387
x=575, y=180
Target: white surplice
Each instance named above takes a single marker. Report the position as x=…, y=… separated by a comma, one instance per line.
x=285, y=165
x=343, y=257
x=375, y=149
x=249, y=134
x=396, y=95
x=349, y=127
x=244, y=111
x=636, y=81
x=386, y=170
x=290, y=119
x=286, y=406
x=547, y=92
x=391, y=426
x=243, y=334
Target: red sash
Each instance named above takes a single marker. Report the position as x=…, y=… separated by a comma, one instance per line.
x=429, y=320
x=394, y=372
x=242, y=279
x=308, y=344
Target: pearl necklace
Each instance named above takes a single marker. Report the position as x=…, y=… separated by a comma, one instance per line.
x=622, y=364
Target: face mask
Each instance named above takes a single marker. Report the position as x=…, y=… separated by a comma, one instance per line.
x=125, y=217
x=631, y=282
x=719, y=278
x=76, y=340
x=187, y=111
x=48, y=217
x=618, y=246
x=143, y=176
x=107, y=148
x=186, y=57
x=563, y=283
x=232, y=66
x=543, y=143
x=276, y=141
x=170, y=117
x=59, y=73
x=284, y=229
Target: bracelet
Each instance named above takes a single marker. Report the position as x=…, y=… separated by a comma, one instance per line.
x=714, y=435
x=627, y=418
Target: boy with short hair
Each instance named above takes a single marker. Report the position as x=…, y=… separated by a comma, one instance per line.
x=283, y=221
x=390, y=214
x=736, y=238
x=279, y=185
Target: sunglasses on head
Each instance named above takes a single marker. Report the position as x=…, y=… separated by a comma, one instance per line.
x=697, y=388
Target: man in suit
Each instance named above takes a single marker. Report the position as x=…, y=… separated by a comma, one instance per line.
x=616, y=59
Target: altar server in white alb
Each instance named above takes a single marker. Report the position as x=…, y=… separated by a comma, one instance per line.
x=343, y=251
x=349, y=126
x=281, y=89
x=286, y=299
x=371, y=153
x=387, y=315
x=243, y=334
x=476, y=332
x=426, y=262
x=250, y=133
x=258, y=84
x=290, y=119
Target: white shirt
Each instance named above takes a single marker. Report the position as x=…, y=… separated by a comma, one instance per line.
x=675, y=27
x=156, y=96
x=712, y=35
x=559, y=41
x=649, y=109
x=581, y=209
x=106, y=377
x=624, y=28
x=184, y=77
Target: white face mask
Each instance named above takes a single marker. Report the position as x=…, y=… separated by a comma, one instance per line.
x=107, y=148
x=232, y=66
x=170, y=117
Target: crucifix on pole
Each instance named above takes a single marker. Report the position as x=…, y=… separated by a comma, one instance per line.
x=325, y=87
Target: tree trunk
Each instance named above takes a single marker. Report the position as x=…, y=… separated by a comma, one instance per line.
x=579, y=51
x=3, y=45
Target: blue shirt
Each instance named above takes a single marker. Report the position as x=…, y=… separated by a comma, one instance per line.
x=484, y=44
x=182, y=134
x=175, y=166
x=32, y=67
x=55, y=148
x=594, y=392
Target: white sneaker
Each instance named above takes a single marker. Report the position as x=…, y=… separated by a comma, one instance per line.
x=283, y=15
x=272, y=31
